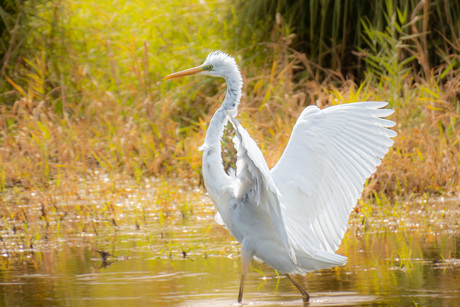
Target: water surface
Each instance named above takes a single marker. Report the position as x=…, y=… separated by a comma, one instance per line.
x=181, y=257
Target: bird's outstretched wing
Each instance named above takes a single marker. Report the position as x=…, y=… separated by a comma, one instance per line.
x=323, y=169
x=254, y=176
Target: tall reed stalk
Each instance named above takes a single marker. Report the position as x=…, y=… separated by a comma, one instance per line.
x=330, y=32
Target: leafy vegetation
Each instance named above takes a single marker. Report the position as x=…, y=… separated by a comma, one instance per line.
x=331, y=32
x=83, y=93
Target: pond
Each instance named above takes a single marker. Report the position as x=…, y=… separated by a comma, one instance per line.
x=159, y=256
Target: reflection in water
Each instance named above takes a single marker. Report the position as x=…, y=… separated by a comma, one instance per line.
x=146, y=257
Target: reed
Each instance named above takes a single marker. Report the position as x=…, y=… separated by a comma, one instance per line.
x=330, y=33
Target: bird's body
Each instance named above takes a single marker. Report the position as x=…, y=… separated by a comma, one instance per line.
x=293, y=216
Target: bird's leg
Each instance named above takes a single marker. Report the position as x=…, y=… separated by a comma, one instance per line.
x=304, y=292
x=247, y=253
x=240, y=294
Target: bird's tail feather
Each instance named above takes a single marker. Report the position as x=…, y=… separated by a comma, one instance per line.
x=320, y=260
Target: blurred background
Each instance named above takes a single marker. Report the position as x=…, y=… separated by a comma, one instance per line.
x=98, y=154
x=82, y=76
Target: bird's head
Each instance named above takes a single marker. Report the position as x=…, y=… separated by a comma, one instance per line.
x=217, y=64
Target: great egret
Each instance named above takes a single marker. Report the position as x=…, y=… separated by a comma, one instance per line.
x=293, y=216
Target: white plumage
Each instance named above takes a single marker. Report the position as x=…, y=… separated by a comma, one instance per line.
x=294, y=216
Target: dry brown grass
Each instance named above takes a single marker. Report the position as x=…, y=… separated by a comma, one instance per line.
x=109, y=112
x=144, y=139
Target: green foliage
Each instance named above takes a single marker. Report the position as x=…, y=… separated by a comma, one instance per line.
x=331, y=32
x=124, y=48
x=87, y=90
x=14, y=28
x=388, y=52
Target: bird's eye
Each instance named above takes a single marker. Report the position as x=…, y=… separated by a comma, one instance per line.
x=209, y=67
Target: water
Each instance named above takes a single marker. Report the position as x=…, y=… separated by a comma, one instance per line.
x=185, y=259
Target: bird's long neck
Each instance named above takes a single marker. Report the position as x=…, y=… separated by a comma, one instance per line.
x=232, y=99
x=228, y=108
x=214, y=174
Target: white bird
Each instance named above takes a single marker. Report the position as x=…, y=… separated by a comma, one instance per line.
x=294, y=216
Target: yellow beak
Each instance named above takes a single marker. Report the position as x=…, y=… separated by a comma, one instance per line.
x=187, y=72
